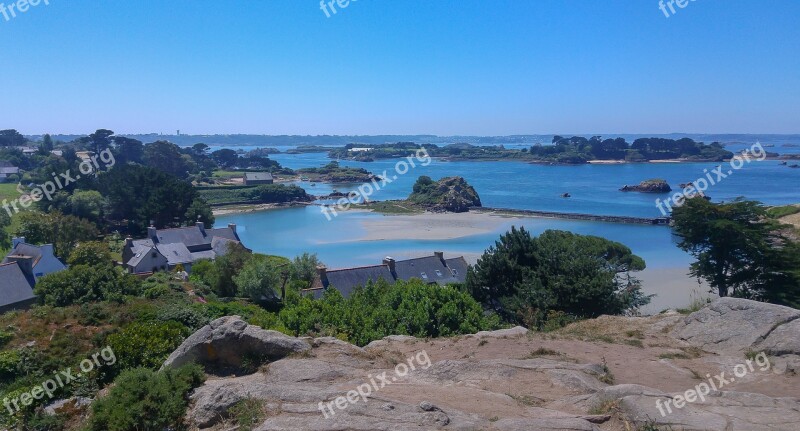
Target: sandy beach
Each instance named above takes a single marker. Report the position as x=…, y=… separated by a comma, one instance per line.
x=432, y=226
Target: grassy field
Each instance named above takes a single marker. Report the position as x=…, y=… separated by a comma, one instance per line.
x=227, y=174
x=8, y=191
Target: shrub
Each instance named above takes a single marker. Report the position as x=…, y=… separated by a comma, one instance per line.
x=144, y=400
x=146, y=344
x=5, y=338
x=82, y=283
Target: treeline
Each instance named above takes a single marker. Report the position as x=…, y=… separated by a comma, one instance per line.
x=195, y=163
x=573, y=150
x=263, y=194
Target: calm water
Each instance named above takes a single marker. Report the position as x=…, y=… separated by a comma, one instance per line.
x=594, y=189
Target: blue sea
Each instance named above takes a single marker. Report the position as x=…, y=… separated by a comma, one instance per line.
x=519, y=185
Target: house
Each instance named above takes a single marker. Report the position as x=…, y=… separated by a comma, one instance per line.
x=257, y=178
x=431, y=269
x=6, y=169
x=16, y=288
x=165, y=249
x=43, y=260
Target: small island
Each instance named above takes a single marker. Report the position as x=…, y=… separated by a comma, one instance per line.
x=448, y=195
x=656, y=185
x=562, y=150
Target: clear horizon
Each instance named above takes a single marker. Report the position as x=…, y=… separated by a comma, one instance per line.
x=467, y=67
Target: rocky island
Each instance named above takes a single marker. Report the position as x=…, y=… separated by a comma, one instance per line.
x=649, y=186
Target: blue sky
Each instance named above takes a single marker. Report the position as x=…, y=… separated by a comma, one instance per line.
x=470, y=67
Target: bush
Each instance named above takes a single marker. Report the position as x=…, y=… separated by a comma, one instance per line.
x=82, y=283
x=379, y=309
x=146, y=344
x=144, y=400
x=5, y=338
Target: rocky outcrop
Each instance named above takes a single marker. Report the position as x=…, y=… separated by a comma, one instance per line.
x=229, y=341
x=451, y=194
x=733, y=325
x=736, y=326
x=513, y=379
x=649, y=186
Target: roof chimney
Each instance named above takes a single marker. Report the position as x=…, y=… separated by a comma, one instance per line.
x=322, y=271
x=391, y=263
x=232, y=226
x=201, y=226
x=25, y=263
x=440, y=255
x=16, y=241
x=151, y=233
x=129, y=241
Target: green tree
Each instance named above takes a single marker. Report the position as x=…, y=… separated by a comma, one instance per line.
x=740, y=251
x=523, y=277
x=259, y=279
x=304, y=268
x=5, y=222
x=47, y=143
x=128, y=150
x=137, y=194
x=227, y=267
x=63, y=231
x=166, y=157
x=87, y=204
x=92, y=253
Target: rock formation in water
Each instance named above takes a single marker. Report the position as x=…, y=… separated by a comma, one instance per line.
x=649, y=186
x=451, y=194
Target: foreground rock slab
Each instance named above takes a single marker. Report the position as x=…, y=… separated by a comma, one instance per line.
x=229, y=341
x=607, y=374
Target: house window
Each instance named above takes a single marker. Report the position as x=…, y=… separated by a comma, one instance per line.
x=154, y=255
x=438, y=273
x=424, y=275
x=454, y=272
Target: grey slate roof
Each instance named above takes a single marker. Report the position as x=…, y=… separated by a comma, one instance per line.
x=16, y=287
x=459, y=267
x=23, y=249
x=429, y=269
x=183, y=245
x=140, y=252
x=9, y=170
x=346, y=280
x=258, y=176
x=176, y=253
